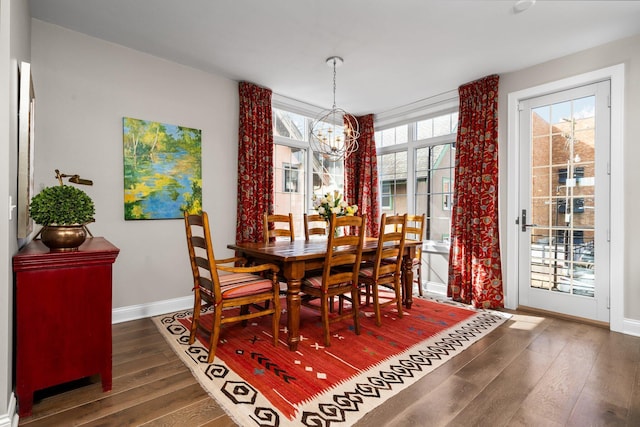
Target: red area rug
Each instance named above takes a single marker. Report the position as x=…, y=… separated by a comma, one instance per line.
x=261, y=385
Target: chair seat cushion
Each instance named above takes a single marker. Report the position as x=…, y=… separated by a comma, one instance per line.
x=415, y=261
x=366, y=272
x=234, y=285
x=313, y=281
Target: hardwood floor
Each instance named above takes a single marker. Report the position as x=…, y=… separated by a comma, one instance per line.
x=531, y=371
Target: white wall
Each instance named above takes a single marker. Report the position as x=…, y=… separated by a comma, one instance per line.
x=85, y=86
x=625, y=51
x=14, y=48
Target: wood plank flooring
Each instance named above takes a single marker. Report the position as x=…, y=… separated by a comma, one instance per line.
x=532, y=371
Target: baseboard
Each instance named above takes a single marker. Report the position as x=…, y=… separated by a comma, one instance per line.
x=10, y=419
x=631, y=327
x=141, y=311
x=436, y=288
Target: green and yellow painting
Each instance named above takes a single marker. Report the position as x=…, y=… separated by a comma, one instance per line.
x=162, y=170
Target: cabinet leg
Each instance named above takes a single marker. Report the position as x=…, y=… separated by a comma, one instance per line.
x=106, y=380
x=25, y=404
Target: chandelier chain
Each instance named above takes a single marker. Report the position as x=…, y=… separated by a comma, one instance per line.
x=334, y=83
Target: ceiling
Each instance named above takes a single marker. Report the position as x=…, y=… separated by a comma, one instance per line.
x=395, y=52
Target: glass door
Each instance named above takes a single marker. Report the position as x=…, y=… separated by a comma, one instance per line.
x=564, y=203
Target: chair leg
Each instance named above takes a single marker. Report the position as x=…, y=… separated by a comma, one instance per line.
x=276, y=322
x=195, y=321
x=367, y=294
x=376, y=304
x=398, y=293
x=355, y=308
x=420, y=278
x=324, y=308
x=245, y=310
x=215, y=335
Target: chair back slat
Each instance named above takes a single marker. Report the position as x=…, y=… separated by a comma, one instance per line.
x=276, y=226
x=314, y=225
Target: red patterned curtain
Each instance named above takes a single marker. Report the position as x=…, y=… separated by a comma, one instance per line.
x=361, y=176
x=255, y=161
x=475, y=272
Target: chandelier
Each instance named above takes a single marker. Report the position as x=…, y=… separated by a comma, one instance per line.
x=334, y=134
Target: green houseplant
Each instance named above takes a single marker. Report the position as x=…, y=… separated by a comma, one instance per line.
x=63, y=211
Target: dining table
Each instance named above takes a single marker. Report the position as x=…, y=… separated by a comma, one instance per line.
x=297, y=257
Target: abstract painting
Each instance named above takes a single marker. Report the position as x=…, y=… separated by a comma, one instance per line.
x=162, y=170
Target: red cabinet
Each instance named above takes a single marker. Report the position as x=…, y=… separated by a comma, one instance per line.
x=62, y=316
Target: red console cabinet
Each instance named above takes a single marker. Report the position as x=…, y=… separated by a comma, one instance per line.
x=62, y=316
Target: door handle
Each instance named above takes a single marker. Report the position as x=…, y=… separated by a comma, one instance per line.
x=524, y=221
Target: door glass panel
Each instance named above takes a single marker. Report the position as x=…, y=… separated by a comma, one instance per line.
x=562, y=197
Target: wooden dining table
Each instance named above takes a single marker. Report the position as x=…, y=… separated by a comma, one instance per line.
x=297, y=257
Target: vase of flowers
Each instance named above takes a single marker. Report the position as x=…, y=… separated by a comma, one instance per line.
x=333, y=203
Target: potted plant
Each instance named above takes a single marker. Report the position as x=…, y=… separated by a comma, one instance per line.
x=63, y=211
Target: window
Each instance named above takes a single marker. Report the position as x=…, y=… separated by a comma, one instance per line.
x=289, y=169
x=416, y=173
x=293, y=157
x=290, y=181
x=434, y=188
x=289, y=125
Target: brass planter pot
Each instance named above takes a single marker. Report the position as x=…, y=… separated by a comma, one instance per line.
x=63, y=238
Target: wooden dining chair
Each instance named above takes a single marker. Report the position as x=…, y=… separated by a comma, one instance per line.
x=339, y=276
x=385, y=270
x=314, y=225
x=222, y=286
x=276, y=226
x=414, y=230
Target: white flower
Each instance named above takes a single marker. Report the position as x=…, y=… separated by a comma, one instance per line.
x=332, y=203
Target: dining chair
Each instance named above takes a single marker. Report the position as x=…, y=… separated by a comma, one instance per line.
x=339, y=276
x=221, y=284
x=278, y=225
x=314, y=225
x=385, y=270
x=414, y=230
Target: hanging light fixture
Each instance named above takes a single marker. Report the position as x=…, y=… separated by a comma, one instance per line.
x=334, y=134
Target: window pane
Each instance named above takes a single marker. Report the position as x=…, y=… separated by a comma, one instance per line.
x=437, y=126
x=454, y=122
x=442, y=125
x=289, y=187
x=392, y=136
x=434, y=188
x=289, y=125
x=392, y=169
x=328, y=176
x=424, y=129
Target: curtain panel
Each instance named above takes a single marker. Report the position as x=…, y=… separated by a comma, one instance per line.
x=361, y=176
x=255, y=161
x=475, y=271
